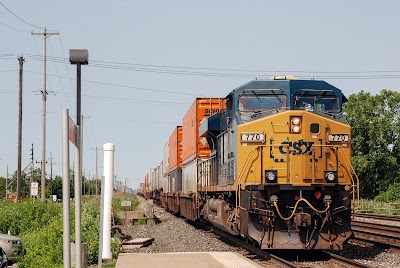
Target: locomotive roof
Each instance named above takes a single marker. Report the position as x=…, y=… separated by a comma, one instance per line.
x=286, y=86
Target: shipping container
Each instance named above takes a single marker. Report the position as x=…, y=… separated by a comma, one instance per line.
x=165, y=168
x=175, y=149
x=192, y=145
x=175, y=180
x=189, y=177
x=141, y=187
x=159, y=177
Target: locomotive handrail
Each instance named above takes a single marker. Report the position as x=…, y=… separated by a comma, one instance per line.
x=246, y=162
x=352, y=171
x=358, y=180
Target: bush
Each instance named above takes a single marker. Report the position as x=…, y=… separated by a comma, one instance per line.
x=392, y=194
x=40, y=226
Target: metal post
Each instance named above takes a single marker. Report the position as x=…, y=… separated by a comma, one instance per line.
x=78, y=57
x=66, y=189
x=78, y=174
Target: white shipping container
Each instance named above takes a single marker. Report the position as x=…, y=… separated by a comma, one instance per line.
x=152, y=179
x=165, y=165
x=165, y=185
x=159, y=176
x=189, y=177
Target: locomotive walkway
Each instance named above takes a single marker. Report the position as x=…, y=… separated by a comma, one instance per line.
x=185, y=260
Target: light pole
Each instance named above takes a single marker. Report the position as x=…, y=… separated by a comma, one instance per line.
x=79, y=57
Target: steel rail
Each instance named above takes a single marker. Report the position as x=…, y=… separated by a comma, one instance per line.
x=376, y=226
x=376, y=216
x=243, y=244
x=346, y=261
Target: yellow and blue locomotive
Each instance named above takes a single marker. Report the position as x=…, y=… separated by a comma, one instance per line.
x=269, y=162
x=279, y=171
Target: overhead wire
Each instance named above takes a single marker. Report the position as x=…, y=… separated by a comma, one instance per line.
x=123, y=86
x=65, y=63
x=15, y=15
x=59, y=78
x=15, y=29
x=135, y=120
x=378, y=74
x=157, y=102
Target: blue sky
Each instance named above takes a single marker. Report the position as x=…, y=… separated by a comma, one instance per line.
x=148, y=60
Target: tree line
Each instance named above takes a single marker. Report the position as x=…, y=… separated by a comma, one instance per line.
x=375, y=122
x=53, y=186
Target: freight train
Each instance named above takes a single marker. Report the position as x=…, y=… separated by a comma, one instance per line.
x=269, y=162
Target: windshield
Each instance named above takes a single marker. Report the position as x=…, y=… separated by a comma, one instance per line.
x=316, y=103
x=249, y=103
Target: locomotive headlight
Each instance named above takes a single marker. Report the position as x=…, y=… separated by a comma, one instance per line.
x=295, y=124
x=330, y=176
x=296, y=120
x=296, y=129
x=271, y=176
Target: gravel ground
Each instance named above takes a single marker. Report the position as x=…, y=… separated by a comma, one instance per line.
x=174, y=234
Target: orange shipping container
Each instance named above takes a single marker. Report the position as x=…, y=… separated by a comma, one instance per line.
x=191, y=142
x=175, y=149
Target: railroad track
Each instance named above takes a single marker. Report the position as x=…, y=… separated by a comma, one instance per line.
x=273, y=259
x=261, y=254
x=381, y=234
x=345, y=261
x=377, y=217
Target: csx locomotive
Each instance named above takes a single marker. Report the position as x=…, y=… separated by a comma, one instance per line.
x=269, y=162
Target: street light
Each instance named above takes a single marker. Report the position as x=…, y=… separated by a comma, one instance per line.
x=79, y=57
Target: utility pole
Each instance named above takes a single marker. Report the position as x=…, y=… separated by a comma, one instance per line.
x=89, y=183
x=32, y=164
x=7, y=184
x=97, y=169
x=44, y=98
x=84, y=181
x=19, y=180
x=51, y=175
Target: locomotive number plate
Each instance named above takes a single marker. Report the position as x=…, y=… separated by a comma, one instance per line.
x=338, y=137
x=253, y=137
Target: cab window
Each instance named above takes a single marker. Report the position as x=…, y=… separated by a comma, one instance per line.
x=316, y=103
x=249, y=103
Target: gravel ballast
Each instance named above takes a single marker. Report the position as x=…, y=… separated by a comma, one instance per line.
x=174, y=234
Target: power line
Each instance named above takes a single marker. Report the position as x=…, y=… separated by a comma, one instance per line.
x=59, y=78
x=123, y=86
x=66, y=66
x=125, y=66
x=24, y=21
x=15, y=29
x=134, y=120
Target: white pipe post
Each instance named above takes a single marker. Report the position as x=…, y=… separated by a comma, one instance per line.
x=66, y=190
x=109, y=149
